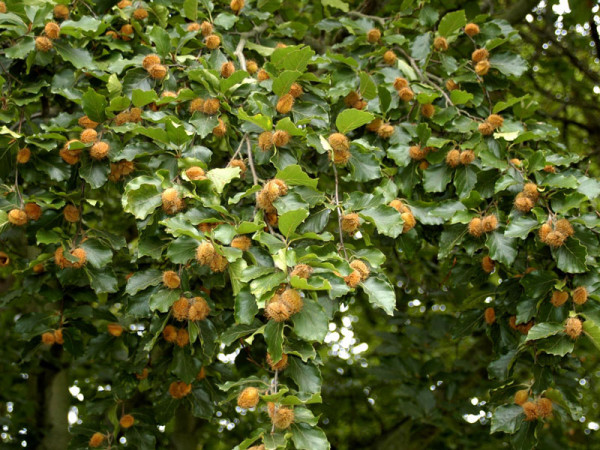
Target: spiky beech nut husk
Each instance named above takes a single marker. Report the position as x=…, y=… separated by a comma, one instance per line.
x=573, y=327
x=476, y=227
x=385, y=131
x=285, y=103
x=265, y=141
x=150, y=60
x=99, y=150
x=555, y=239
x=183, y=337
x=495, y=120
x=482, y=67
x=341, y=157
x=277, y=311
x=521, y=397
x=262, y=75
x=543, y=407
x=196, y=105
x=4, y=259
x=201, y=374
x=440, y=44
x=114, y=329
x=529, y=409
x=52, y=30
x=127, y=30
x=283, y=418
x=467, y=157
x=272, y=218
x=58, y=337
x=86, y=122
x=373, y=35
x=490, y=315
x=487, y=264
x=248, y=398
x=179, y=389
x=399, y=206
x=428, y=110
x=195, y=173
x=406, y=94
x=296, y=90
x=236, y=5
x=579, y=295
x=43, y=44
x=170, y=333
x=33, y=211
x=227, y=69
x=88, y=136
x=23, y=155
x=140, y=14
x=489, y=223
x=38, y=268
x=220, y=130
x=219, y=263
x=59, y=258
x=143, y=374
x=361, y=268
x=199, y=309
x=400, y=83
x=239, y=164
x=205, y=253
x=126, y=421
x=275, y=188
x=81, y=256
x=264, y=202
x=211, y=106
x=350, y=222
x=194, y=26
x=171, y=201
x=544, y=231
x=339, y=142
x=158, y=71
x=292, y=299
x=48, y=338
x=479, y=55
x=302, y=271
x=374, y=125
x=409, y=221
x=122, y=117
x=549, y=169
x=97, y=439
x=279, y=365
x=206, y=28
x=559, y=298
x=451, y=85
x=135, y=114
x=242, y=242
x=531, y=191
x=485, y=128
x=168, y=94
x=453, y=158
x=471, y=29
x=171, y=279
x=390, y=58
x=71, y=213
x=525, y=327
x=563, y=226
x=512, y=322
x=61, y=12
x=180, y=308
x=281, y=138
x=523, y=203
x=417, y=153
x=112, y=34
x=516, y=161
x=353, y=279
x=212, y=41
x=3, y=8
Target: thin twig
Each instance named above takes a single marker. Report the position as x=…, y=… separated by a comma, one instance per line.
x=251, y=160
x=381, y=20
x=237, y=152
x=339, y=210
x=239, y=52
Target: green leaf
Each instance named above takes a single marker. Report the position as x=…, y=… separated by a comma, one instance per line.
x=142, y=196
x=387, y=220
x=184, y=366
x=289, y=221
x=293, y=175
x=507, y=418
x=543, y=330
x=509, y=64
x=459, y=97
x=452, y=22
x=338, y=4
x=141, y=280
x=245, y=307
x=103, y=280
x=311, y=323
x=93, y=105
x=80, y=58
x=381, y=293
x=94, y=172
x=98, y=255
x=21, y=49
x=436, y=178
x=161, y=40
x=282, y=84
x=305, y=375
x=221, y=177
x=190, y=9
x=292, y=57
x=263, y=122
x=182, y=250
x=306, y=437
x=520, y=227
x=350, y=119
x=502, y=248
x=274, y=339
x=163, y=299
x=367, y=88
x=142, y=98
x=556, y=345
x=592, y=330
x=571, y=256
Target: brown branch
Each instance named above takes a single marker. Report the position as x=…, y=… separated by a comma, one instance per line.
x=339, y=210
x=595, y=36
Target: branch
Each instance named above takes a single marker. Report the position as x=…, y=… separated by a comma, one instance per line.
x=339, y=210
x=519, y=10
x=239, y=52
x=595, y=36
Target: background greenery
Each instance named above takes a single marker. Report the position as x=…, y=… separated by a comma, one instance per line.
x=432, y=374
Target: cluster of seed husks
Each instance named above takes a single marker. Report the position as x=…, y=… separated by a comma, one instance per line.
x=556, y=236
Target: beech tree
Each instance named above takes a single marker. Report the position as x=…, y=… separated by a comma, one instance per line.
x=274, y=224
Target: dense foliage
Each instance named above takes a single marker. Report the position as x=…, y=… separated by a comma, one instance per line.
x=206, y=208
